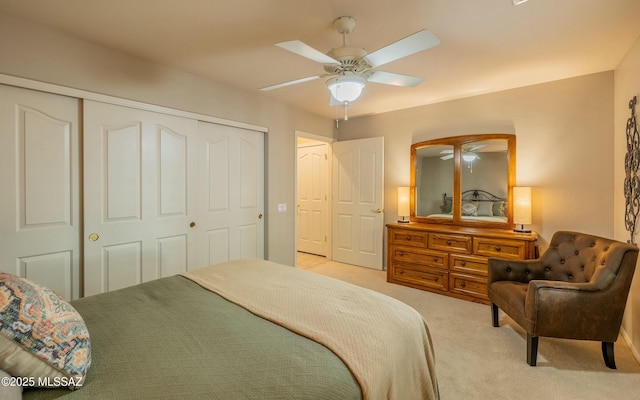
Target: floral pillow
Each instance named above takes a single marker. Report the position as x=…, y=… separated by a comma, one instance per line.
x=470, y=209
x=41, y=336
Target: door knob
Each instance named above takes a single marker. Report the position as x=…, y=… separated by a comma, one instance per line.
x=260, y=216
x=377, y=210
x=93, y=237
x=192, y=224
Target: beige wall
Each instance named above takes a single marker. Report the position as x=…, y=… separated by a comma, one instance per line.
x=35, y=52
x=627, y=85
x=564, y=138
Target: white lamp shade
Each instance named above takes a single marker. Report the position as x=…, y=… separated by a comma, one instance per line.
x=346, y=88
x=522, y=205
x=403, y=201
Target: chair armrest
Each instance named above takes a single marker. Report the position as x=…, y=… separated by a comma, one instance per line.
x=549, y=298
x=501, y=269
x=536, y=285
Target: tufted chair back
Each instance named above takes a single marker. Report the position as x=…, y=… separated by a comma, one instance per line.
x=578, y=289
x=577, y=257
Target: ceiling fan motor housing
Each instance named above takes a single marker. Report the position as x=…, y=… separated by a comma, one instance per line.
x=351, y=60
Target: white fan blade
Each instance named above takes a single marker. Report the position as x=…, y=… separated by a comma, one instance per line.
x=446, y=157
x=301, y=80
x=419, y=41
x=389, y=78
x=474, y=148
x=446, y=152
x=304, y=50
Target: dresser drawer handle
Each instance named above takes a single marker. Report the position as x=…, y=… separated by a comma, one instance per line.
x=408, y=237
x=498, y=248
x=462, y=284
x=401, y=254
x=435, y=259
x=448, y=242
x=462, y=263
x=401, y=271
x=435, y=279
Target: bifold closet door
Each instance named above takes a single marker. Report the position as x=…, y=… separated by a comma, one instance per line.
x=231, y=193
x=39, y=200
x=139, y=201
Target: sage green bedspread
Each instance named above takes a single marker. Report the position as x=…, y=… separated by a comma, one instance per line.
x=172, y=339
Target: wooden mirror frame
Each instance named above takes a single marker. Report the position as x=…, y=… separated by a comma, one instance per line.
x=457, y=142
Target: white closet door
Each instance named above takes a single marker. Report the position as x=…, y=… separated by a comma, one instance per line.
x=231, y=193
x=39, y=200
x=139, y=207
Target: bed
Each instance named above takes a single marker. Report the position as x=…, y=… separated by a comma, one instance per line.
x=477, y=205
x=251, y=329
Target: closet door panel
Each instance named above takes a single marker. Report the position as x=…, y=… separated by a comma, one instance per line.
x=231, y=176
x=139, y=174
x=39, y=176
x=122, y=166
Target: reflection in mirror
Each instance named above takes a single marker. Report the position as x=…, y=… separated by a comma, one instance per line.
x=463, y=180
x=434, y=172
x=485, y=180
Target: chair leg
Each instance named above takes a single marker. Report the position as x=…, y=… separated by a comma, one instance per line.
x=607, y=353
x=494, y=315
x=532, y=350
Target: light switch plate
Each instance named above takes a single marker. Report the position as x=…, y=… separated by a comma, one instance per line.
x=282, y=207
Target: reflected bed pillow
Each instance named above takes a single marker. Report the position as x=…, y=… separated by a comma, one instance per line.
x=470, y=209
x=499, y=208
x=485, y=209
x=41, y=335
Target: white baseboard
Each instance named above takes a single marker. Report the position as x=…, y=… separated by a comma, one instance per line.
x=627, y=339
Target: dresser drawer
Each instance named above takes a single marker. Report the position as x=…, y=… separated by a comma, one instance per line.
x=468, y=264
x=450, y=243
x=469, y=285
x=499, y=248
x=406, y=237
x=419, y=256
x=417, y=275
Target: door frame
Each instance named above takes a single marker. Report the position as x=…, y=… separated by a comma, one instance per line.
x=318, y=138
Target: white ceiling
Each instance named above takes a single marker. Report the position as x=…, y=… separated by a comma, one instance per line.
x=486, y=45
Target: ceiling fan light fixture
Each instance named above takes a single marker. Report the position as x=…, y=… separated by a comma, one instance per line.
x=346, y=88
x=469, y=156
x=518, y=2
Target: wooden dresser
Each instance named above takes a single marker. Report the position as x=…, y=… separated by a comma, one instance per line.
x=451, y=260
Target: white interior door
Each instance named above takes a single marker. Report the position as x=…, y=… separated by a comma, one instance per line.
x=312, y=202
x=39, y=200
x=231, y=193
x=358, y=184
x=139, y=176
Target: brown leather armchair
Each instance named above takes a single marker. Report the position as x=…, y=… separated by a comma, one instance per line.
x=576, y=290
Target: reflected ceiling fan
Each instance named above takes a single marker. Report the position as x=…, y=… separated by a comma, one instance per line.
x=467, y=154
x=350, y=68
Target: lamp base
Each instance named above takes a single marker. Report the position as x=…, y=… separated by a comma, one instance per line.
x=522, y=230
x=404, y=221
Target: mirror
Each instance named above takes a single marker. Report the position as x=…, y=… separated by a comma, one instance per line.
x=463, y=180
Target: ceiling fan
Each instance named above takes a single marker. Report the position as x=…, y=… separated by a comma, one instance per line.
x=350, y=68
x=467, y=154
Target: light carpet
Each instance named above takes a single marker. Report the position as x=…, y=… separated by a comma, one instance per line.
x=477, y=361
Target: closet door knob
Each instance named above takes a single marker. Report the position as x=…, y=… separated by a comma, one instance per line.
x=192, y=224
x=93, y=237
